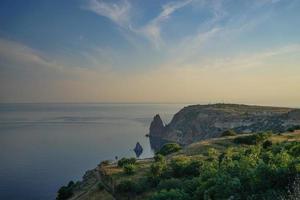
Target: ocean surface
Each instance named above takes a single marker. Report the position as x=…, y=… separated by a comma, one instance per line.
x=44, y=146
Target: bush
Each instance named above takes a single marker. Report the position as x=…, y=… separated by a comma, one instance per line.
x=173, y=194
x=229, y=132
x=252, y=139
x=125, y=161
x=129, y=169
x=169, y=148
x=171, y=183
x=178, y=165
x=295, y=150
x=159, y=158
x=100, y=186
x=131, y=188
x=125, y=186
x=267, y=144
x=212, y=154
x=293, y=128
x=193, y=168
x=64, y=192
x=157, y=169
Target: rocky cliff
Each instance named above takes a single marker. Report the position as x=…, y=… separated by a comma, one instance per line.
x=198, y=122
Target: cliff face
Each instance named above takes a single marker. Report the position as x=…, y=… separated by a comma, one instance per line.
x=198, y=122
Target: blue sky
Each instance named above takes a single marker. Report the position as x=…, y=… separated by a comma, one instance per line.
x=150, y=51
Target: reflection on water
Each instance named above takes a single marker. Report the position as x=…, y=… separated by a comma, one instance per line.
x=44, y=146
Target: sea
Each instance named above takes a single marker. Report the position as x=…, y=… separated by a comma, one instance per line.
x=43, y=146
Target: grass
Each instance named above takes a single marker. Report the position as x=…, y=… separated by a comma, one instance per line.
x=225, y=142
x=117, y=173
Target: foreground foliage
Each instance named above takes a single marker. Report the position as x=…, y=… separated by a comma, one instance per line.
x=258, y=170
x=261, y=166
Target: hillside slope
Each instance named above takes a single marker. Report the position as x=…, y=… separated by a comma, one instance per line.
x=199, y=122
x=180, y=167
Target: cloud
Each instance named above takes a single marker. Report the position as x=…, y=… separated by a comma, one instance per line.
x=119, y=13
x=28, y=76
x=152, y=30
x=17, y=55
x=253, y=61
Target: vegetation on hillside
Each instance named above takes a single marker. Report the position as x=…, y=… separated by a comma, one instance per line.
x=250, y=167
x=65, y=192
x=229, y=133
x=169, y=148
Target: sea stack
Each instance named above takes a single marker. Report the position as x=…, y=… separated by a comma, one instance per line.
x=138, y=149
x=157, y=127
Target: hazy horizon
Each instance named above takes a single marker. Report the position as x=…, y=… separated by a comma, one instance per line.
x=130, y=51
x=158, y=103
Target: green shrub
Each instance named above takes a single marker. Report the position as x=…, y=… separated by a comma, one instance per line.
x=125, y=161
x=252, y=139
x=173, y=194
x=178, y=165
x=229, y=132
x=293, y=128
x=100, y=186
x=267, y=144
x=190, y=185
x=212, y=154
x=295, y=150
x=129, y=169
x=171, y=183
x=157, y=169
x=65, y=192
x=159, y=158
x=193, y=168
x=125, y=186
x=169, y=148
x=131, y=188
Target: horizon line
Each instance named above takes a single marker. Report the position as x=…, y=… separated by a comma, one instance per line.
x=153, y=103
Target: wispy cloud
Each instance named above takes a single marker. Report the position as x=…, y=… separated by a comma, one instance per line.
x=152, y=30
x=119, y=12
x=22, y=55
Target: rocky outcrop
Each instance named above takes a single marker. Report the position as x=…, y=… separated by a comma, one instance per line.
x=198, y=122
x=157, y=127
x=138, y=149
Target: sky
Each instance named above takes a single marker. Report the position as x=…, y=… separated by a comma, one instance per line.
x=167, y=51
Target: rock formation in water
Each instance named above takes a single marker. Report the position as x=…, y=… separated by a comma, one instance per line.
x=138, y=149
x=157, y=127
x=198, y=122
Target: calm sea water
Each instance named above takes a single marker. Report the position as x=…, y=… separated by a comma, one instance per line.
x=43, y=146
